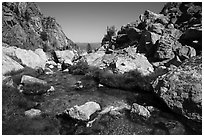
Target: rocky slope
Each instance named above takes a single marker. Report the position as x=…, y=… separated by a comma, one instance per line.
x=24, y=26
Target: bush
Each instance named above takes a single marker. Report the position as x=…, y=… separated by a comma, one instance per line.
x=79, y=69
x=44, y=36
x=89, y=48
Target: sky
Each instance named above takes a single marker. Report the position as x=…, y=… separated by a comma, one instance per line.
x=87, y=21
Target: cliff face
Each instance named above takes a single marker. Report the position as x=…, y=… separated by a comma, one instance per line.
x=24, y=26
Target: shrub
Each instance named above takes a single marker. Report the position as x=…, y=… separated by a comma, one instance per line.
x=80, y=68
x=89, y=48
x=44, y=36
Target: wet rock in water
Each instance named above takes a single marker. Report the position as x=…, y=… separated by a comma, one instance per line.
x=31, y=80
x=139, y=111
x=83, y=112
x=181, y=90
x=9, y=65
x=33, y=113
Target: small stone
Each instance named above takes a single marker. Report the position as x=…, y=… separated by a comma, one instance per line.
x=51, y=66
x=33, y=113
x=66, y=70
x=51, y=89
x=48, y=71
x=100, y=85
x=58, y=65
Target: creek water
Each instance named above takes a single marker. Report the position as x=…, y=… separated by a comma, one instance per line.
x=53, y=121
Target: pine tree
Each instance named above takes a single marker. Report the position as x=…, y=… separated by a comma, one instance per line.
x=89, y=48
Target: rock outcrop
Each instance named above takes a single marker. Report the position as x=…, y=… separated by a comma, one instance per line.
x=24, y=26
x=181, y=90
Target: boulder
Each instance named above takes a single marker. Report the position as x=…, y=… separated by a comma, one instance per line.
x=30, y=58
x=33, y=113
x=147, y=43
x=139, y=63
x=150, y=16
x=192, y=34
x=154, y=37
x=84, y=112
x=33, y=59
x=164, y=49
x=121, y=39
x=31, y=80
x=9, y=65
x=175, y=33
x=186, y=52
x=133, y=34
x=157, y=28
x=181, y=90
x=141, y=111
x=93, y=58
x=65, y=56
x=192, y=37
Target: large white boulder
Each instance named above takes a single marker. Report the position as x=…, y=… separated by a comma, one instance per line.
x=29, y=58
x=66, y=55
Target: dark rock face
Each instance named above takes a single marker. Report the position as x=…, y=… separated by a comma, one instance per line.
x=181, y=90
x=188, y=18
x=24, y=26
x=164, y=49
